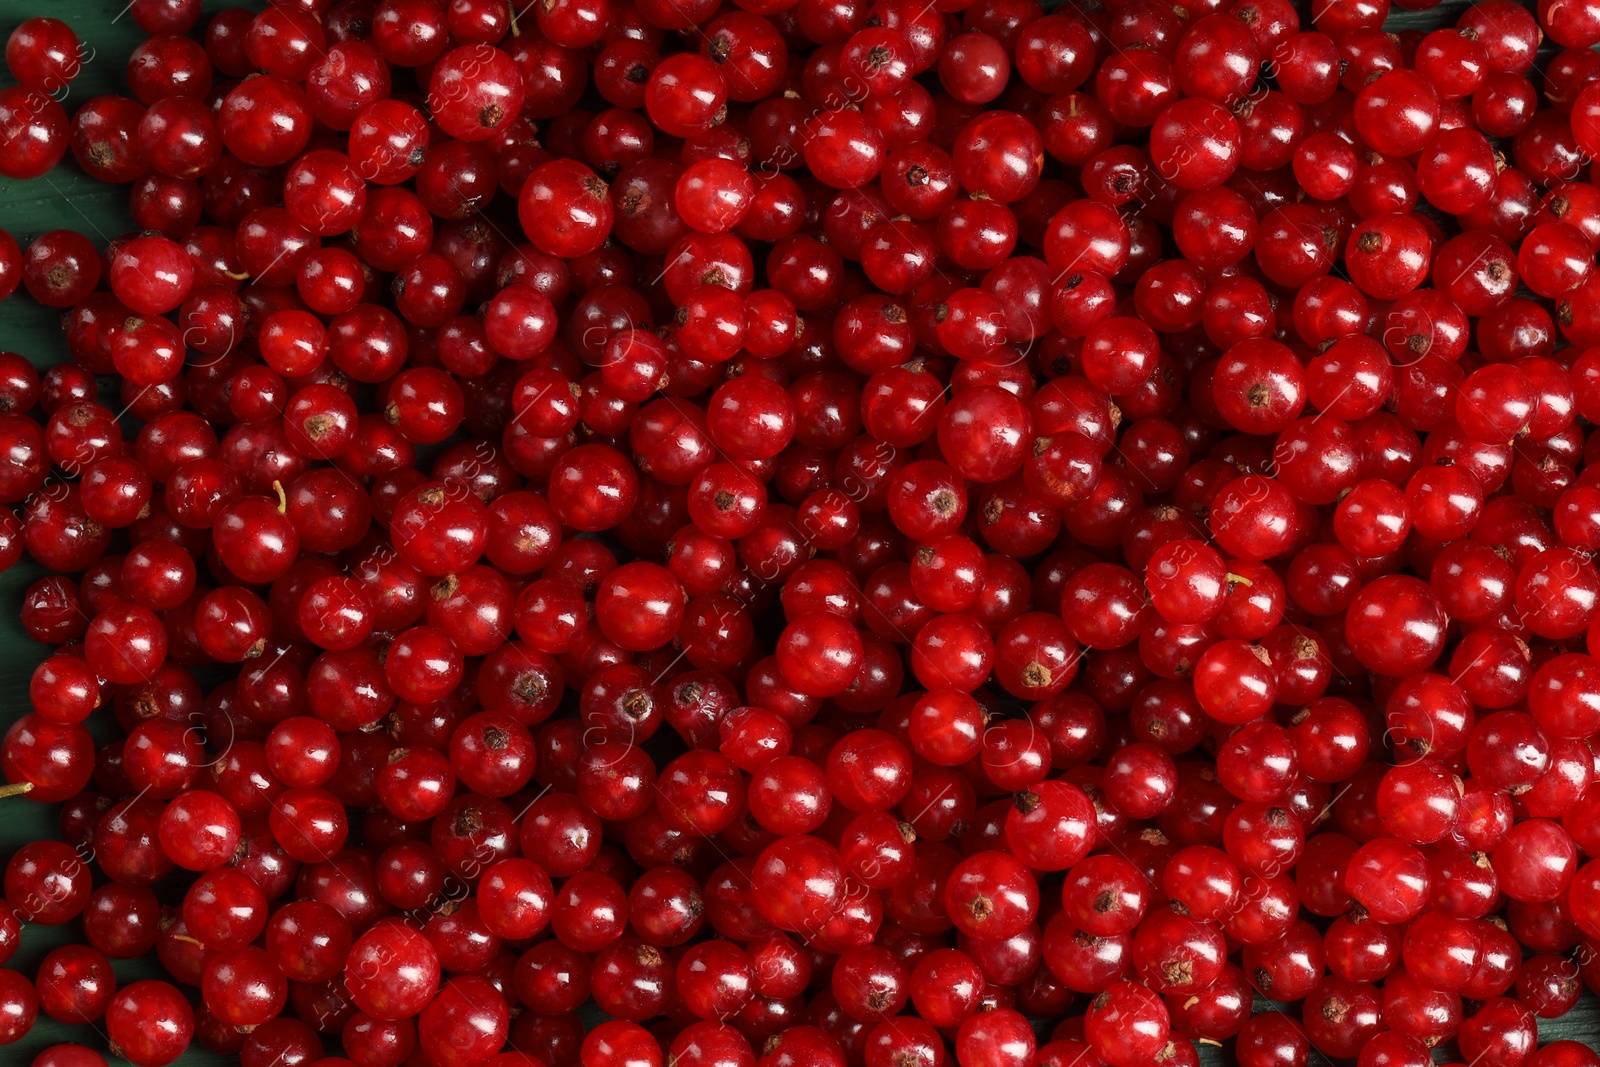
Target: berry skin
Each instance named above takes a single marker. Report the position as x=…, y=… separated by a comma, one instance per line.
x=149, y=1023
x=43, y=54
x=860, y=487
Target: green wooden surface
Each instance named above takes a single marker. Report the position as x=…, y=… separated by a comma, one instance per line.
x=66, y=198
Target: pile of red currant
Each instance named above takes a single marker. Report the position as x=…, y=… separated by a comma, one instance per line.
x=838, y=533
